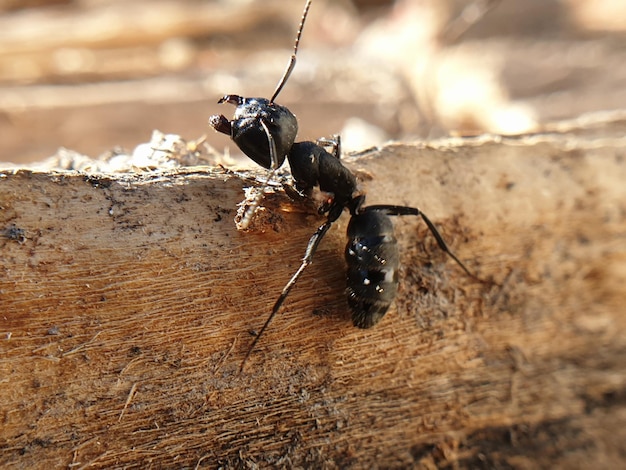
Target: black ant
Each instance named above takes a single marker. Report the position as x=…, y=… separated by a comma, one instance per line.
x=266, y=133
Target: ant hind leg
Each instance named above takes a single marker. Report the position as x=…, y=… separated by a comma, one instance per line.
x=404, y=210
x=312, y=245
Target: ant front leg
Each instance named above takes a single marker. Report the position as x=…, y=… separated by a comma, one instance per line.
x=293, y=193
x=242, y=220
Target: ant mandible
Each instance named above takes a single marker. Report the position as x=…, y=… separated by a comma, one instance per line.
x=266, y=132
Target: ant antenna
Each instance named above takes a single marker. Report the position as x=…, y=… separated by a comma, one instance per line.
x=292, y=61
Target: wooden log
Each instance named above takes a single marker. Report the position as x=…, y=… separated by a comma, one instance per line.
x=127, y=302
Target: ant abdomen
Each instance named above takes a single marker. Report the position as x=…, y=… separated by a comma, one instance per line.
x=373, y=260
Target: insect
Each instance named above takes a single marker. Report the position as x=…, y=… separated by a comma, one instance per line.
x=266, y=132
x=372, y=251
x=263, y=130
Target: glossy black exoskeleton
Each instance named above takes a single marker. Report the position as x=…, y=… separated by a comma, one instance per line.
x=372, y=251
x=251, y=136
x=266, y=133
x=373, y=261
x=372, y=258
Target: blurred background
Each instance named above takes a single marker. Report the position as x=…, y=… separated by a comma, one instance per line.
x=97, y=76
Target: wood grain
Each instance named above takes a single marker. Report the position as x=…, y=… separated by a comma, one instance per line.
x=127, y=302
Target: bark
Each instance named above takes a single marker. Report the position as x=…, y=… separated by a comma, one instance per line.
x=128, y=301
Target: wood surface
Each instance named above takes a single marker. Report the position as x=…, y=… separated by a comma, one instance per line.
x=127, y=302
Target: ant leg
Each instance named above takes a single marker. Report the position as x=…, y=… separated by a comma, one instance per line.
x=443, y=246
x=311, y=248
x=314, y=242
x=337, y=139
x=292, y=61
x=244, y=223
x=334, y=142
x=404, y=210
x=293, y=193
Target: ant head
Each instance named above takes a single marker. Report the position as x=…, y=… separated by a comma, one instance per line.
x=263, y=130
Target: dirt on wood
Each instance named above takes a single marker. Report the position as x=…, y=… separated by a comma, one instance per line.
x=128, y=299
x=128, y=302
